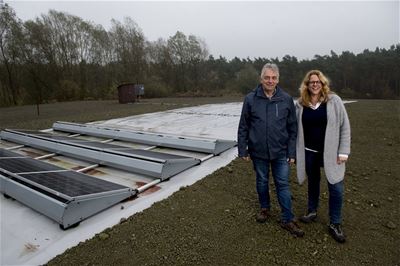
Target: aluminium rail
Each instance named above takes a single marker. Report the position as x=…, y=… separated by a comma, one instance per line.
x=214, y=146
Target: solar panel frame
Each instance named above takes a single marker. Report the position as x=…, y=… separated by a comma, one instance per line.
x=143, y=162
x=65, y=196
x=72, y=184
x=152, y=154
x=214, y=146
x=81, y=144
x=24, y=169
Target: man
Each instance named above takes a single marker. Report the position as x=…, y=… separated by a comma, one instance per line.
x=267, y=135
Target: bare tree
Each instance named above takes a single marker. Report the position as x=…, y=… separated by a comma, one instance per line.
x=128, y=50
x=187, y=54
x=160, y=62
x=10, y=49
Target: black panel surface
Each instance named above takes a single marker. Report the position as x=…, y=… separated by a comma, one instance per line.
x=5, y=153
x=21, y=165
x=72, y=184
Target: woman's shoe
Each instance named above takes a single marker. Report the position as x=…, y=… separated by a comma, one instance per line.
x=309, y=217
x=335, y=230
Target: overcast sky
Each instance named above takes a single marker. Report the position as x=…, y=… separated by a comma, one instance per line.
x=266, y=29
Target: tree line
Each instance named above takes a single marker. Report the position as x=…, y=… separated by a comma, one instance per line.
x=61, y=57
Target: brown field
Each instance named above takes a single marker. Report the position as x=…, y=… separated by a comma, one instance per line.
x=26, y=117
x=213, y=221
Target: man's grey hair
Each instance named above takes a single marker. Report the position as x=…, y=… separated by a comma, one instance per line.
x=271, y=66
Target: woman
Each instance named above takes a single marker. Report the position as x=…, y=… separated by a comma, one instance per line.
x=323, y=140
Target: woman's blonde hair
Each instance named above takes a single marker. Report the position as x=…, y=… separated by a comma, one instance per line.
x=305, y=97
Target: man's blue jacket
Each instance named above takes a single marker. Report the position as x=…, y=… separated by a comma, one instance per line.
x=267, y=127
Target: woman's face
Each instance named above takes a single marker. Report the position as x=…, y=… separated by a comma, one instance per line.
x=314, y=85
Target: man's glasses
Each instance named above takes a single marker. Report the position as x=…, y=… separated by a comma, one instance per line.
x=314, y=82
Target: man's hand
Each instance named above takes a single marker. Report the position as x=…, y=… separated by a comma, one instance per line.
x=291, y=161
x=247, y=158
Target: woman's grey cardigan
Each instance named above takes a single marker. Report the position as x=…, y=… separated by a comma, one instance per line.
x=337, y=140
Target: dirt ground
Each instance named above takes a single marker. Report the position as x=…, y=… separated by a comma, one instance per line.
x=26, y=117
x=213, y=221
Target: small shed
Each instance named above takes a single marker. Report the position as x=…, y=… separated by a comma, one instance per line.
x=130, y=92
x=126, y=93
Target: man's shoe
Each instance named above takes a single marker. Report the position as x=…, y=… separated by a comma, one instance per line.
x=293, y=228
x=335, y=230
x=262, y=216
x=308, y=218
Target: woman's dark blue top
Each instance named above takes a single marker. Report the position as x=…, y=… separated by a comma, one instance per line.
x=314, y=127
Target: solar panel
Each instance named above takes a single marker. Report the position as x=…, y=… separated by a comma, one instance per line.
x=63, y=195
x=23, y=165
x=71, y=183
x=5, y=153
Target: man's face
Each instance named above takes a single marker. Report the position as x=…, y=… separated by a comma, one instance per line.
x=269, y=80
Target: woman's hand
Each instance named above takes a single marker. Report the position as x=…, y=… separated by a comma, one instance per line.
x=341, y=159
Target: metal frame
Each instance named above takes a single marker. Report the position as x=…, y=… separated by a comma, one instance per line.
x=66, y=210
x=215, y=146
x=121, y=158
